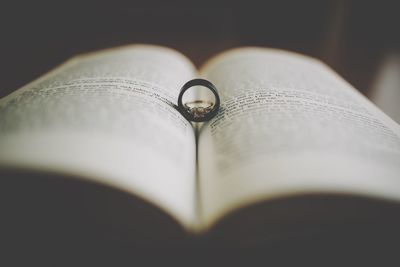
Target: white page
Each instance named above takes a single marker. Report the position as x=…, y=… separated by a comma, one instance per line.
x=109, y=117
x=290, y=125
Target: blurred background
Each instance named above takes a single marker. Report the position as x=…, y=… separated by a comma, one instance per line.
x=359, y=39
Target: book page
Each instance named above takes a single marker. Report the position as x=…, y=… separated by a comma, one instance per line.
x=109, y=117
x=289, y=125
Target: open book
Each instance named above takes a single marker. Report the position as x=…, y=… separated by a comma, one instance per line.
x=292, y=145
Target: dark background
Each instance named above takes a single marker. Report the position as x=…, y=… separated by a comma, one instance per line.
x=351, y=36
